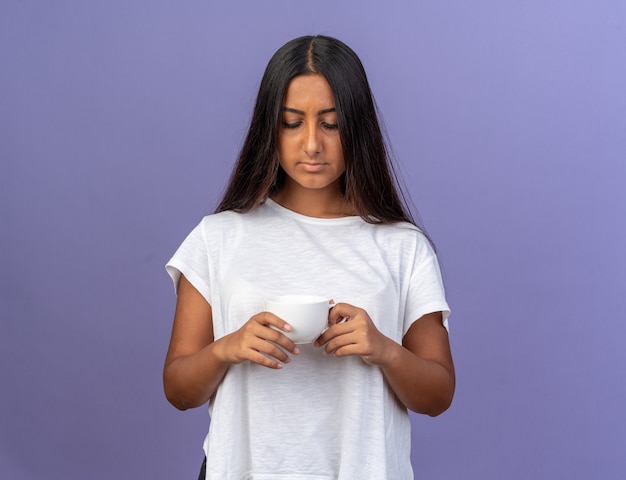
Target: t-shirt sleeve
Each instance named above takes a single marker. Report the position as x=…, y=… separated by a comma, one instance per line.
x=191, y=260
x=426, y=293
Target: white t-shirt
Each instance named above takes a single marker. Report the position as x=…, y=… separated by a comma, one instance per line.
x=319, y=417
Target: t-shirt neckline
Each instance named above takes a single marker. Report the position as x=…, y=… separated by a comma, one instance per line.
x=304, y=218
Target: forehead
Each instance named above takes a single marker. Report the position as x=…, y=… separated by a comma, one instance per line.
x=309, y=89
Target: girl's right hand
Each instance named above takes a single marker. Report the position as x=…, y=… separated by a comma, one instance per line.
x=196, y=363
x=256, y=342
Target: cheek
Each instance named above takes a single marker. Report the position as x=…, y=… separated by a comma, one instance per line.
x=339, y=148
x=284, y=146
x=339, y=155
x=280, y=149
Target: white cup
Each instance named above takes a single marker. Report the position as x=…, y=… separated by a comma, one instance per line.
x=307, y=315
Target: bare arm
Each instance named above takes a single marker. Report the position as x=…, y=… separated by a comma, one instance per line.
x=192, y=372
x=420, y=371
x=196, y=364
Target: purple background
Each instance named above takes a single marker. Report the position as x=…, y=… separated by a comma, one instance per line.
x=119, y=123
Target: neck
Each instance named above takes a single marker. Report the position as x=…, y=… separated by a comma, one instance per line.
x=319, y=203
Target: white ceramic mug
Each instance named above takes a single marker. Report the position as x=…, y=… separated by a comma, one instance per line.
x=307, y=315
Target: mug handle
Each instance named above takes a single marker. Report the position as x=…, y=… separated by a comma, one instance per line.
x=330, y=307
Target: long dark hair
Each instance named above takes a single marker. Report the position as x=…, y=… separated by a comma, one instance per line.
x=369, y=183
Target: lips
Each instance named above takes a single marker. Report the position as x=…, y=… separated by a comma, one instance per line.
x=311, y=166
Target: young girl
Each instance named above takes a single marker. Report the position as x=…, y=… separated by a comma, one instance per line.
x=311, y=207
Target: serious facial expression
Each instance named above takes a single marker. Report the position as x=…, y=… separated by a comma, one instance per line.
x=309, y=146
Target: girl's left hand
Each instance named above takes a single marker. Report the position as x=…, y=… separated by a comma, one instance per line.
x=352, y=332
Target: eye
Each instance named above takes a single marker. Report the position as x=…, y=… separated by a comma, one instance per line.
x=290, y=125
x=330, y=126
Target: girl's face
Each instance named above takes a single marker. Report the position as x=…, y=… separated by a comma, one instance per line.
x=309, y=146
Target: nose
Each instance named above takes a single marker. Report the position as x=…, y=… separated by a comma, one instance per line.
x=312, y=140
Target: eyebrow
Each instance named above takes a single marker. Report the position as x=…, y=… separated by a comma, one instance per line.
x=300, y=112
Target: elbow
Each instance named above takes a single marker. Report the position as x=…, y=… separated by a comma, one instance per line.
x=181, y=395
x=179, y=406
x=438, y=409
x=181, y=403
x=175, y=399
x=433, y=406
x=182, y=399
x=438, y=402
x=173, y=392
x=441, y=402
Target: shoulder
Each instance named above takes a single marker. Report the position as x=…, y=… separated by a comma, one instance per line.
x=404, y=242
x=230, y=218
x=402, y=232
x=210, y=222
x=229, y=222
